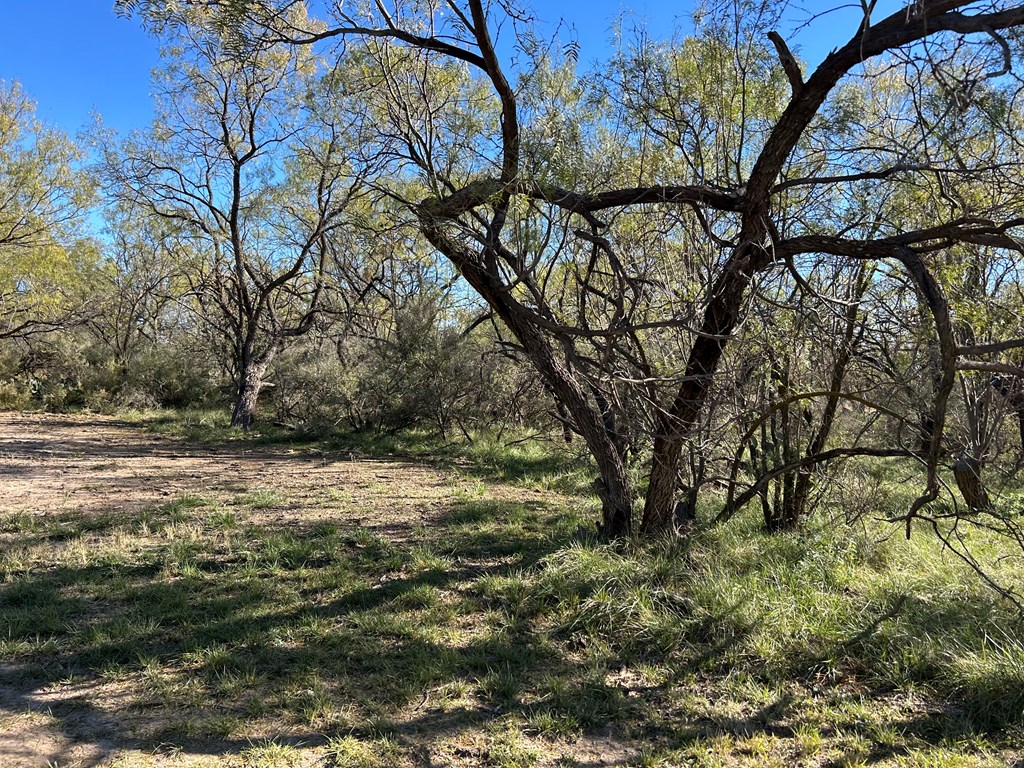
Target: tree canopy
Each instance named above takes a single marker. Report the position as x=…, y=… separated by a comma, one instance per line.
x=45, y=256
x=722, y=267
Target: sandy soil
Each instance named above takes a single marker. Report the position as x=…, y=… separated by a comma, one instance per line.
x=87, y=465
x=94, y=464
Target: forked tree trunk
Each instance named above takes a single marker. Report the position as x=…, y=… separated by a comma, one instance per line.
x=250, y=383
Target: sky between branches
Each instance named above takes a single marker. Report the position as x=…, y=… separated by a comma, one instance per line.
x=77, y=58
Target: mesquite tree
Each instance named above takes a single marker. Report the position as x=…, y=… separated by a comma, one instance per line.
x=46, y=259
x=620, y=225
x=253, y=173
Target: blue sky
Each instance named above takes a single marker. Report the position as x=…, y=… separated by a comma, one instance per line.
x=77, y=58
x=80, y=57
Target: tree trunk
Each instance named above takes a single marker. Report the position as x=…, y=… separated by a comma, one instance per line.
x=588, y=418
x=616, y=498
x=967, y=473
x=250, y=382
x=659, y=506
x=787, y=513
x=720, y=318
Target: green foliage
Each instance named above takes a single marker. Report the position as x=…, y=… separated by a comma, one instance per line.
x=420, y=371
x=46, y=262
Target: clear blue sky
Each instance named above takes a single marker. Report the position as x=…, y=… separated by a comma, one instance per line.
x=76, y=56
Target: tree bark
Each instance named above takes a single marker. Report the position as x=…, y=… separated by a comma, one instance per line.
x=250, y=383
x=967, y=473
x=720, y=318
x=659, y=506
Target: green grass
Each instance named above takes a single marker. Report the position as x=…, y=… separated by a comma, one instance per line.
x=529, y=459
x=503, y=634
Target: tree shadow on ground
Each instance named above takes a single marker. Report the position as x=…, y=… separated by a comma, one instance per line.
x=306, y=631
x=302, y=631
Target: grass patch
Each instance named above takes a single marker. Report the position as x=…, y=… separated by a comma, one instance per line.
x=499, y=633
x=260, y=498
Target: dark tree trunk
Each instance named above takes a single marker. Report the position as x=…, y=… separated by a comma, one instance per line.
x=720, y=318
x=787, y=512
x=250, y=383
x=563, y=417
x=760, y=466
x=967, y=473
x=588, y=417
x=660, y=505
x=686, y=507
x=926, y=429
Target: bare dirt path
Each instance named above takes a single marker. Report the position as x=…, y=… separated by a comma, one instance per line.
x=82, y=466
x=95, y=464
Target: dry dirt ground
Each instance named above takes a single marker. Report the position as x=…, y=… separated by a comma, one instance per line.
x=86, y=465
x=94, y=464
